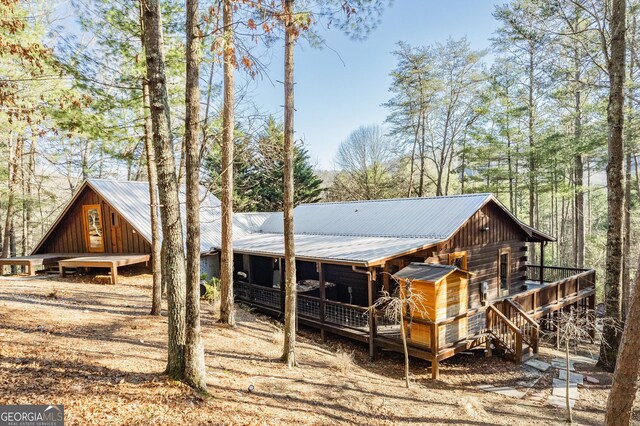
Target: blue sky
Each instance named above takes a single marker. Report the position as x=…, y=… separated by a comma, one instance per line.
x=333, y=98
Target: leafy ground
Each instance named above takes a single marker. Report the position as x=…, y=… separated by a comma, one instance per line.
x=92, y=347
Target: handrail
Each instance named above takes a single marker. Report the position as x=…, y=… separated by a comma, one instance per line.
x=529, y=327
x=563, y=268
x=518, y=308
x=505, y=331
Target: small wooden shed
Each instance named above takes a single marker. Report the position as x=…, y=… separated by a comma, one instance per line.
x=444, y=302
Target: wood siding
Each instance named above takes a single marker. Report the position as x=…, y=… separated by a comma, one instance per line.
x=68, y=236
x=482, y=246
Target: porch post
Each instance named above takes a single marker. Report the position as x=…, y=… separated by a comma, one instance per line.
x=282, y=289
x=372, y=317
x=323, y=297
x=542, y=262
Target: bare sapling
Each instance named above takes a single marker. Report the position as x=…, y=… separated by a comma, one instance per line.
x=572, y=329
x=403, y=303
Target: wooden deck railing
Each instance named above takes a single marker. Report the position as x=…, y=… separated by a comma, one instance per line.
x=322, y=311
x=528, y=326
x=505, y=331
x=579, y=284
x=552, y=273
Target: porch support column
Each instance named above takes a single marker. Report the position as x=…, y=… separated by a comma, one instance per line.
x=372, y=316
x=282, y=289
x=323, y=297
x=542, y=244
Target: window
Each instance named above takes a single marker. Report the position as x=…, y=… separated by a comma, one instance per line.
x=114, y=219
x=93, y=228
x=458, y=259
x=504, y=270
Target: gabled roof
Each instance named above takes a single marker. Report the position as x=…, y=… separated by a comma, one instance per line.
x=434, y=218
x=359, y=232
x=131, y=200
x=398, y=218
x=426, y=272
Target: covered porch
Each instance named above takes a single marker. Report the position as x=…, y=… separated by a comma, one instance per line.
x=514, y=320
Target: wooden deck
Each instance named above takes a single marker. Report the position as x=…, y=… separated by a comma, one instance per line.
x=76, y=260
x=112, y=261
x=513, y=321
x=34, y=261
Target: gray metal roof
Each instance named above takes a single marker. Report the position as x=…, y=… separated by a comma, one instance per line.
x=249, y=222
x=425, y=272
x=341, y=248
x=358, y=232
x=131, y=200
x=431, y=218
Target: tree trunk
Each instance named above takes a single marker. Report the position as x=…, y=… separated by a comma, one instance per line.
x=625, y=380
x=173, y=273
x=579, y=248
x=152, y=177
x=195, y=373
x=289, y=350
x=15, y=153
x=615, y=184
x=227, y=310
x=532, y=153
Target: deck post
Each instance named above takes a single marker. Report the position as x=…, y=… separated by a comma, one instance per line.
x=592, y=308
x=114, y=274
x=282, y=288
x=542, y=262
x=435, y=343
x=323, y=296
x=372, y=317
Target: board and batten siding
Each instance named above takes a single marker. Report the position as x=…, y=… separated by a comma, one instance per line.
x=488, y=231
x=68, y=236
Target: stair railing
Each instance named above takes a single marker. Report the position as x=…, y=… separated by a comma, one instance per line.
x=505, y=331
x=528, y=326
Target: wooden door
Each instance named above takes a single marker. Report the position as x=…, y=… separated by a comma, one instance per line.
x=93, y=228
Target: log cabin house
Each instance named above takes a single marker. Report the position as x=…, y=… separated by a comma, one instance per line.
x=467, y=254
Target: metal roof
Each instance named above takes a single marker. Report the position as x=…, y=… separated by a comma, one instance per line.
x=363, y=232
x=423, y=218
x=249, y=222
x=341, y=248
x=131, y=200
x=425, y=272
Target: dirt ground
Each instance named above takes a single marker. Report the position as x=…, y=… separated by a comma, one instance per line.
x=92, y=347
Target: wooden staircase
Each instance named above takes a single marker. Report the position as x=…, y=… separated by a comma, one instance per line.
x=513, y=330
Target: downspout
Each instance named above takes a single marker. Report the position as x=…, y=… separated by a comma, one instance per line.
x=372, y=315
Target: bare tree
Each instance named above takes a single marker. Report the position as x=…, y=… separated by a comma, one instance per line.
x=152, y=177
x=615, y=182
x=227, y=314
x=365, y=160
x=291, y=33
x=403, y=304
x=625, y=379
x=195, y=373
x=173, y=273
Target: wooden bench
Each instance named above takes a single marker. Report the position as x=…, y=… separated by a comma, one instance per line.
x=103, y=261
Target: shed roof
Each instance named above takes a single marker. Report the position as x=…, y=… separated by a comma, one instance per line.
x=426, y=271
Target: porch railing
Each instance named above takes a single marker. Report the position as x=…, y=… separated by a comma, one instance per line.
x=552, y=273
x=312, y=308
x=572, y=283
